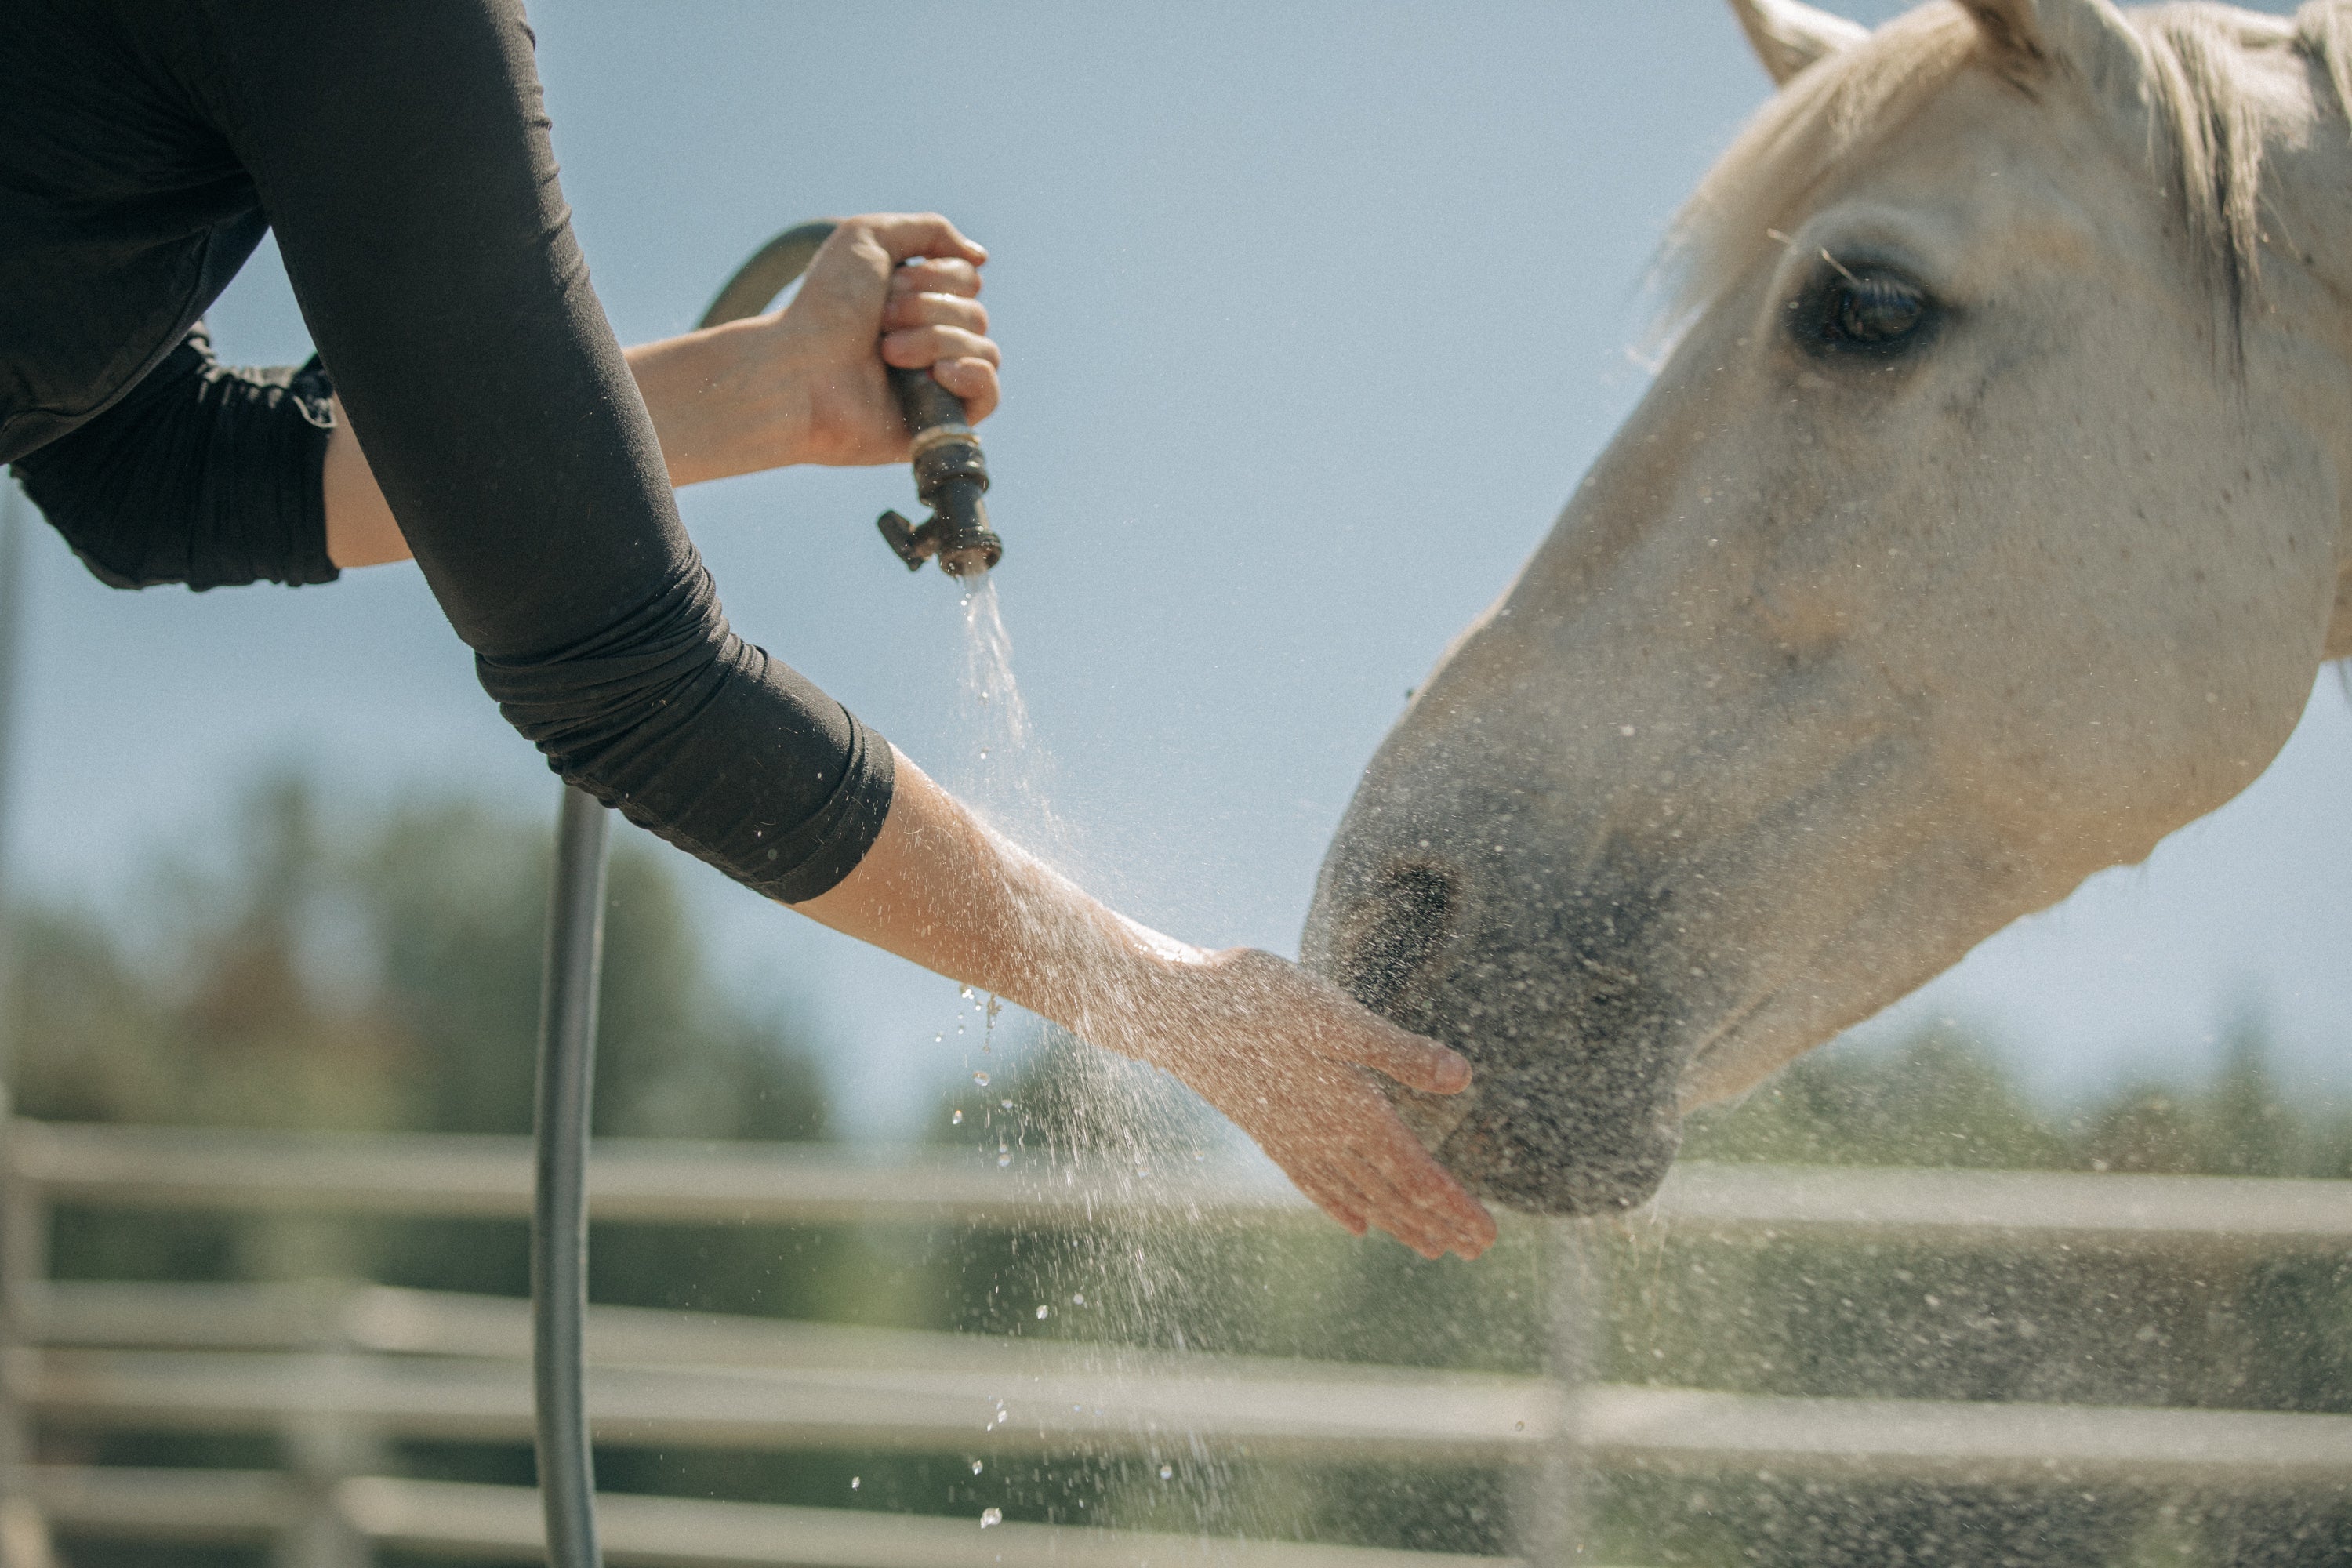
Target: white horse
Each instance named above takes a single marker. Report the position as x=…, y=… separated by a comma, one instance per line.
x=1987, y=523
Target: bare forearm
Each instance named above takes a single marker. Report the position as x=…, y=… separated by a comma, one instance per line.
x=940, y=890
x=708, y=426
x=802, y=385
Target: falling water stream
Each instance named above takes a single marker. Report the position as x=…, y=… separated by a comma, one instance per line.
x=1108, y=1120
x=1122, y=1292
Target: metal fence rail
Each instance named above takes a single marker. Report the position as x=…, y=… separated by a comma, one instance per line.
x=682, y=1181
x=435, y=1365
x=238, y=1507
x=342, y=1370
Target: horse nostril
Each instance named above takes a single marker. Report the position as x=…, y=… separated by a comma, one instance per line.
x=1411, y=913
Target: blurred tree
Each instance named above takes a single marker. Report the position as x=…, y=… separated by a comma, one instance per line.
x=385, y=974
x=1936, y=1097
x=336, y=968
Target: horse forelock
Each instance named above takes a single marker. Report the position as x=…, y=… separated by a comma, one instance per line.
x=2207, y=122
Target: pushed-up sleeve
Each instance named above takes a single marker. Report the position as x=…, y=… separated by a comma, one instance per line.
x=201, y=474
x=402, y=157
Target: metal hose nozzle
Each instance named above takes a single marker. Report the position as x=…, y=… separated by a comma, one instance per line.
x=951, y=470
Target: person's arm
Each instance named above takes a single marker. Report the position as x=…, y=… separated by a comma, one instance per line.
x=796, y=385
x=201, y=473
x=404, y=159
x=1276, y=1050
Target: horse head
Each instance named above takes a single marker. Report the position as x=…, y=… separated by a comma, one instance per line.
x=1984, y=523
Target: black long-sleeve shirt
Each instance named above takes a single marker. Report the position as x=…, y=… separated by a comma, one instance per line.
x=401, y=153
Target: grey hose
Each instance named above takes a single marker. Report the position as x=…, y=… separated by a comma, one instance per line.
x=771, y=270
x=567, y=1074
x=559, y=1218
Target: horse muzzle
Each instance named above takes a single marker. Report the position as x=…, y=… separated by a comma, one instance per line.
x=1529, y=1147
x=1572, y=1110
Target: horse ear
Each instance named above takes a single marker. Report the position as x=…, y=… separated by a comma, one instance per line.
x=1788, y=37
x=2087, y=37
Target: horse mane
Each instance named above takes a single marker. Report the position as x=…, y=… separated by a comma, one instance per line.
x=2205, y=117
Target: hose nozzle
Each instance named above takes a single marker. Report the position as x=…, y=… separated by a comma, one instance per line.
x=950, y=477
x=950, y=474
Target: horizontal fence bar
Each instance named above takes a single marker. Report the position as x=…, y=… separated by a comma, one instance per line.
x=1080, y=1410
x=1959, y=1208
x=678, y=1182
x=418, y=1364
x=390, y=1320
x=1963, y=1443
x=504, y=1524
x=1616, y=1427
x=442, y=1364
x=186, y=1507
x=628, y=1179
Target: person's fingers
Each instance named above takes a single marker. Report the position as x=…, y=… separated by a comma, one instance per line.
x=936, y=275
x=1410, y=1176
x=1413, y=1173
x=912, y=347
x=1334, y=1198
x=1469, y=1229
x=1391, y=1213
x=904, y=235
x=935, y=310
x=1411, y=1060
x=973, y=381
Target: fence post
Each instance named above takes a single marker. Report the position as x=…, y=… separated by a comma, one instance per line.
x=1549, y=1511
x=23, y=1220
x=23, y=1268
x=322, y=1452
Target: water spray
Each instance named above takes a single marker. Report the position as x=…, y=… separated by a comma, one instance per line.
x=950, y=477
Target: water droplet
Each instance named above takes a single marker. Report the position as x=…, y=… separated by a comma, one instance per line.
x=1166, y=1471
x=1078, y=1300
x=957, y=1119
x=989, y=1516
x=1198, y=1155
x=1040, y=1311
x=1003, y=1159
x=975, y=1467
x=1006, y=1104
x=1002, y=1416
x=966, y=993
x=983, y=753
x=940, y=1039
x=853, y=1483
x=1519, y=1425
x=981, y=1079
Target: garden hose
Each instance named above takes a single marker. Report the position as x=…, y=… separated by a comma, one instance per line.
x=950, y=476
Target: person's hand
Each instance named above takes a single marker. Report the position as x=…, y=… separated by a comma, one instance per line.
x=1284, y=1056
x=910, y=282
x=806, y=383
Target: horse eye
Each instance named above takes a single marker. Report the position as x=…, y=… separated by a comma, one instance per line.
x=1878, y=310
x=1868, y=311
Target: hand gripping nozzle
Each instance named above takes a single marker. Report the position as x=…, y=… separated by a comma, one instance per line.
x=950, y=477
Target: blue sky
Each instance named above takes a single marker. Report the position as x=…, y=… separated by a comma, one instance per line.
x=1313, y=316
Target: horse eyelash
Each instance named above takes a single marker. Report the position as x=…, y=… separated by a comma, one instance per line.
x=1775, y=233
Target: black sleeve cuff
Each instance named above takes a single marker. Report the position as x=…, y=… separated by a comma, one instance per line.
x=702, y=739
x=202, y=474
x=815, y=856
